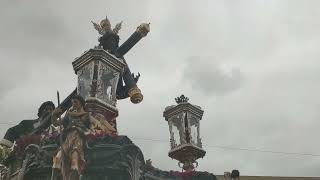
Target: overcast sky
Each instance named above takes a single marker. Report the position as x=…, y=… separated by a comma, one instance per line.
x=252, y=65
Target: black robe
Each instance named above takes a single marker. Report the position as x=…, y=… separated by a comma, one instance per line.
x=25, y=127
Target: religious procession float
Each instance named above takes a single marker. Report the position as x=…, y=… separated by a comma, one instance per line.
x=78, y=138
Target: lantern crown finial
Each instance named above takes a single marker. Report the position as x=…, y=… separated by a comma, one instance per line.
x=181, y=99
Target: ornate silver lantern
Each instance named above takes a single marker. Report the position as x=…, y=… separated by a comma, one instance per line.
x=184, y=126
x=98, y=75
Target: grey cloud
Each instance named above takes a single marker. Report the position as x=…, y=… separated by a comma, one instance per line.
x=210, y=77
x=11, y=75
x=35, y=31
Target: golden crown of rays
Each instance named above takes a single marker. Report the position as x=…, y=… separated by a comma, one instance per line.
x=105, y=26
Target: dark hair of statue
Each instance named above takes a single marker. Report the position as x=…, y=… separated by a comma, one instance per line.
x=235, y=173
x=81, y=100
x=43, y=106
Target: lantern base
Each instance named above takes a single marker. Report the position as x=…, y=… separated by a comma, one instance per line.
x=102, y=110
x=187, y=153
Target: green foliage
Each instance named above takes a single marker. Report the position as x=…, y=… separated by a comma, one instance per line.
x=4, y=152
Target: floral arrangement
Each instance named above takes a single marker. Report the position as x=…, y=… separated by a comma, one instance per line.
x=49, y=138
x=100, y=134
x=24, y=141
x=4, y=153
x=192, y=175
x=183, y=175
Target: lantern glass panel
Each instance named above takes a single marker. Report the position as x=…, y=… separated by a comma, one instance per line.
x=178, y=131
x=107, y=84
x=175, y=132
x=193, y=128
x=85, y=76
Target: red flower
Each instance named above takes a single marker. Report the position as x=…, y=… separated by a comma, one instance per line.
x=183, y=175
x=24, y=141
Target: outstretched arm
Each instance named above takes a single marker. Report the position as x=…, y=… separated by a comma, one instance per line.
x=55, y=116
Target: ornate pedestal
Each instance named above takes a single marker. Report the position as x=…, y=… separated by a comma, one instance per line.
x=114, y=158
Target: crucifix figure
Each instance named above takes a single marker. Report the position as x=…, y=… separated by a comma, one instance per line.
x=109, y=41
